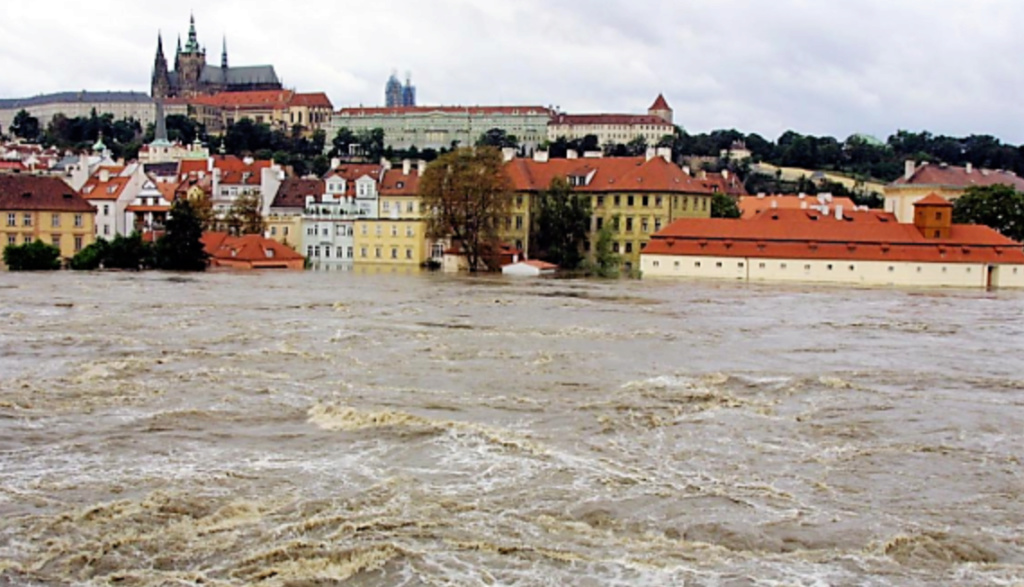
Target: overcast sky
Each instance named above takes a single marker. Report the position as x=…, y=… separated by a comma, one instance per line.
x=815, y=66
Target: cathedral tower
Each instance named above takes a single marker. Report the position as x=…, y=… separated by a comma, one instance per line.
x=160, y=86
x=191, y=62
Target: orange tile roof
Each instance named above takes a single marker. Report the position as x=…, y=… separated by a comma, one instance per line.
x=95, y=189
x=192, y=166
x=612, y=174
x=934, y=200
x=751, y=206
x=233, y=163
x=312, y=100
x=396, y=183
x=243, y=100
x=958, y=177
x=252, y=248
x=799, y=234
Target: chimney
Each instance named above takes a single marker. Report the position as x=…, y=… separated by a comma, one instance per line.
x=508, y=154
x=801, y=195
x=104, y=175
x=593, y=154
x=725, y=174
x=248, y=160
x=335, y=163
x=970, y=168
x=760, y=195
x=686, y=169
x=839, y=212
x=665, y=153
x=421, y=166
x=803, y=205
x=540, y=156
x=651, y=153
x=908, y=169
x=703, y=174
x=406, y=166
x=571, y=154
x=775, y=204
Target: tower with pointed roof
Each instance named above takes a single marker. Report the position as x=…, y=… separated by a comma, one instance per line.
x=224, y=54
x=161, y=84
x=191, y=62
x=393, y=92
x=661, y=109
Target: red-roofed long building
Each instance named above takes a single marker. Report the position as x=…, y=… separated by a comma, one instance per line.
x=281, y=109
x=869, y=248
x=616, y=128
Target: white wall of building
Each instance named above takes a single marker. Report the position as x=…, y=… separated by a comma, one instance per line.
x=866, y=273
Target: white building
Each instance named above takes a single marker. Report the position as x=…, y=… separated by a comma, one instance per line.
x=111, y=189
x=122, y=105
x=616, y=129
x=351, y=192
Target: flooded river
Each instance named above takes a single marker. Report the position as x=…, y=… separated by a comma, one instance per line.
x=320, y=429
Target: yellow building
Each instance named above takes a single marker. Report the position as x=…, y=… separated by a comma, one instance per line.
x=280, y=109
x=398, y=237
x=637, y=196
x=47, y=209
x=948, y=181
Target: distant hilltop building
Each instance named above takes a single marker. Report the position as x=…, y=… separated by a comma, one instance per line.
x=616, y=128
x=948, y=181
x=398, y=96
x=121, y=105
x=192, y=76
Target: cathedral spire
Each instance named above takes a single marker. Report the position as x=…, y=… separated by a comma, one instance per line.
x=224, y=54
x=192, y=46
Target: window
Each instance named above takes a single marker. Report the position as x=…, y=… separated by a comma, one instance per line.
x=408, y=253
x=394, y=230
x=629, y=225
x=11, y=239
x=657, y=264
x=629, y=247
x=600, y=201
x=378, y=252
x=362, y=252
x=645, y=201
x=696, y=264
x=657, y=202
x=643, y=225
x=853, y=268
x=106, y=209
x=387, y=206
x=600, y=223
x=919, y=269
x=55, y=239
x=55, y=220
x=78, y=243
x=807, y=267
x=12, y=219
x=891, y=269
x=761, y=265
x=316, y=251
x=78, y=221
x=106, y=229
x=657, y=224
x=409, y=230
x=350, y=252
x=629, y=200
x=718, y=265
x=615, y=247
x=519, y=222
x=782, y=266
x=327, y=252
x=378, y=230
x=829, y=266
x=309, y=251
x=364, y=232
x=740, y=265
x=394, y=252
x=618, y=200
x=410, y=207
x=519, y=201
x=340, y=253
x=677, y=264
x=938, y=234
x=273, y=231
x=938, y=215
x=27, y=220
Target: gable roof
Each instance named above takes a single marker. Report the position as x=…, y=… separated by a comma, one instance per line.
x=959, y=177
x=396, y=183
x=934, y=200
x=251, y=248
x=293, y=192
x=752, y=206
x=613, y=174
x=660, y=103
x=33, y=192
x=240, y=76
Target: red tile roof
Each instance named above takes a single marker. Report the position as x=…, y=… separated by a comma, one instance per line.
x=800, y=234
x=313, y=100
x=350, y=172
x=660, y=103
x=608, y=119
x=233, y=163
x=32, y=192
x=246, y=100
x=959, y=177
x=112, y=189
x=188, y=166
x=248, y=248
x=613, y=174
x=934, y=200
x=396, y=183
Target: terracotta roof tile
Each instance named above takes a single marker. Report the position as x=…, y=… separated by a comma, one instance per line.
x=396, y=183
x=31, y=192
x=478, y=110
x=660, y=103
x=613, y=174
x=293, y=192
x=251, y=247
x=959, y=177
x=751, y=206
x=606, y=119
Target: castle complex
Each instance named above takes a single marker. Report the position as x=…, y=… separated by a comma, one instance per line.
x=192, y=76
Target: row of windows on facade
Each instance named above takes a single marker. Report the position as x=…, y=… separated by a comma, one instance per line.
x=807, y=267
x=346, y=230
x=55, y=240
x=699, y=202
x=629, y=224
x=12, y=220
x=317, y=252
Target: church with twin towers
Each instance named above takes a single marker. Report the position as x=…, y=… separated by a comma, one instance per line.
x=193, y=76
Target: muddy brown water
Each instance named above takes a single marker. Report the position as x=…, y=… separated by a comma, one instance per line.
x=321, y=429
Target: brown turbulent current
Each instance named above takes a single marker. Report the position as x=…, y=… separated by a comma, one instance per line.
x=319, y=429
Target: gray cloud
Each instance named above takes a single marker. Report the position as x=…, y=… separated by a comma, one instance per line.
x=813, y=66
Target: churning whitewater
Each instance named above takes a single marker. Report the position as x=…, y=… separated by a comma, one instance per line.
x=319, y=429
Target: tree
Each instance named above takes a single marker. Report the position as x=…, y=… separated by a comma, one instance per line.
x=181, y=247
x=497, y=137
x=34, y=256
x=562, y=225
x=25, y=126
x=469, y=195
x=998, y=206
x=91, y=257
x=245, y=216
x=341, y=142
x=606, y=260
x=724, y=206
x=128, y=252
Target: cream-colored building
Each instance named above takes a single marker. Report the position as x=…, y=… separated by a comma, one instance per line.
x=867, y=248
x=47, y=209
x=616, y=129
x=122, y=105
x=434, y=127
x=398, y=237
x=280, y=109
x=948, y=181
